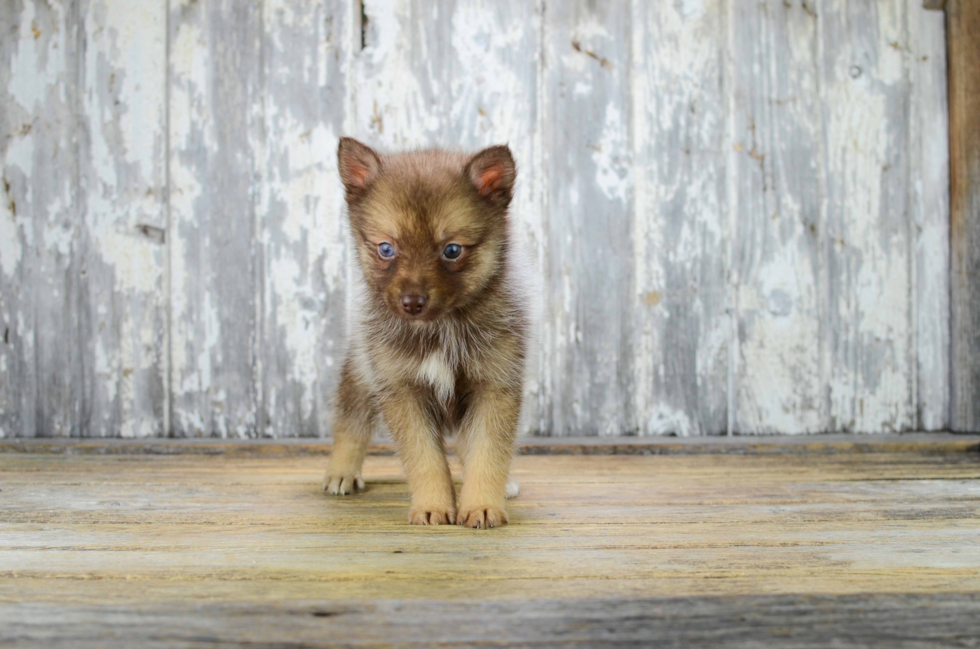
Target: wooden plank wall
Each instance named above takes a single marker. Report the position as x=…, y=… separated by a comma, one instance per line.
x=738, y=211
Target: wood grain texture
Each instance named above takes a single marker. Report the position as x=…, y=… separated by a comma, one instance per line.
x=215, y=129
x=588, y=167
x=40, y=230
x=18, y=60
x=305, y=48
x=929, y=204
x=682, y=325
x=963, y=20
x=122, y=292
x=785, y=621
x=738, y=212
x=238, y=545
x=778, y=177
x=868, y=233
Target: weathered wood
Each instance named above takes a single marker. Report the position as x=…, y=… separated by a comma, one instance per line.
x=962, y=25
x=215, y=128
x=778, y=176
x=234, y=545
x=786, y=621
x=929, y=205
x=869, y=319
x=587, y=166
x=20, y=67
x=655, y=145
x=305, y=46
x=679, y=298
x=40, y=231
x=122, y=293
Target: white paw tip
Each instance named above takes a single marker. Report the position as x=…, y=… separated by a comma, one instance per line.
x=512, y=489
x=341, y=486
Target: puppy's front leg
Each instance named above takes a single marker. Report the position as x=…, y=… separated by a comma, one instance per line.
x=423, y=455
x=488, y=432
x=351, y=435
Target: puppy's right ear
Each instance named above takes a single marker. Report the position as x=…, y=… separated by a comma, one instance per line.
x=358, y=165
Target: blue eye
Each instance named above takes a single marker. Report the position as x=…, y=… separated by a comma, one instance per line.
x=452, y=251
x=386, y=250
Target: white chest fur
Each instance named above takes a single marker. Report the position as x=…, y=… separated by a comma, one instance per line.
x=435, y=371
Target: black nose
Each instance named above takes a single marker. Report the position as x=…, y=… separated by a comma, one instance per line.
x=413, y=304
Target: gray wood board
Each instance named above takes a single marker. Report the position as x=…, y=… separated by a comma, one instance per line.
x=215, y=125
x=739, y=214
x=964, y=145
x=300, y=233
x=929, y=204
x=870, y=620
x=121, y=270
x=588, y=200
x=777, y=227
x=680, y=301
x=41, y=360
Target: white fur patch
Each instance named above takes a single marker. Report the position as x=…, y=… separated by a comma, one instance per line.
x=435, y=371
x=512, y=489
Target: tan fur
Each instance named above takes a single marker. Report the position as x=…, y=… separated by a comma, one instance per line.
x=458, y=365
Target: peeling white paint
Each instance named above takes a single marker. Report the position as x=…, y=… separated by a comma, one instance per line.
x=10, y=241
x=651, y=142
x=610, y=155
x=35, y=71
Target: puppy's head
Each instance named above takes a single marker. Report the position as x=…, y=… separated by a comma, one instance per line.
x=429, y=226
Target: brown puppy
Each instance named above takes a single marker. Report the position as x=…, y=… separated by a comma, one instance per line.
x=439, y=341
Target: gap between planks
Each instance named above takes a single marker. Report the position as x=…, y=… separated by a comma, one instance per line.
x=721, y=445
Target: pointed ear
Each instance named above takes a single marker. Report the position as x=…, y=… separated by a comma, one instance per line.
x=493, y=172
x=358, y=165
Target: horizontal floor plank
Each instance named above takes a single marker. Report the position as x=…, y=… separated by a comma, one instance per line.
x=789, y=621
x=129, y=541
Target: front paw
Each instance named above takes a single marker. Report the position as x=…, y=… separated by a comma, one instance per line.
x=481, y=517
x=341, y=484
x=431, y=515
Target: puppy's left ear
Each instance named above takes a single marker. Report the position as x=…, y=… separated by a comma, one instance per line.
x=493, y=172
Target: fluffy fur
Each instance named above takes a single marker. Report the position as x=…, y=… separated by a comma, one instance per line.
x=439, y=344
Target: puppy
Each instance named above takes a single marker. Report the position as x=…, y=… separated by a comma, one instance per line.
x=440, y=335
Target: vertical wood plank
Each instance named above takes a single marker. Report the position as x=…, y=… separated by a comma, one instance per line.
x=929, y=204
x=215, y=123
x=777, y=228
x=587, y=169
x=963, y=23
x=460, y=75
x=866, y=108
x=39, y=365
x=18, y=101
x=122, y=253
x=305, y=50
x=681, y=325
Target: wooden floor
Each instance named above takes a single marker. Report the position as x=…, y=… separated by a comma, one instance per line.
x=787, y=546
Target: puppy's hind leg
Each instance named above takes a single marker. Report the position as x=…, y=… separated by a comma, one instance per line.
x=353, y=427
